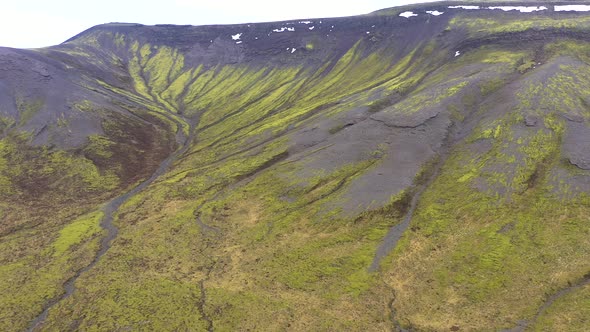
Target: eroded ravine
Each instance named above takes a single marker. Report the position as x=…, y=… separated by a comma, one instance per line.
x=395, y=233
x=457, y=132
x=525, y=325
x=211, y=230
x=106, y=223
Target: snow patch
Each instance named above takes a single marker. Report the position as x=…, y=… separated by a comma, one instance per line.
x=457, y=53
x=572, y=8
x=283, y=29
x=368, y=32
x=236, y=36
x=239, y=42
x=434, y=12
x=305, y=22
x=407, y=14
x=311, y=28
x=464, y=7
x=293, y=50
x=521, y=9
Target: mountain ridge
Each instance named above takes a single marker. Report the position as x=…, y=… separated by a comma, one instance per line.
x=374, y=172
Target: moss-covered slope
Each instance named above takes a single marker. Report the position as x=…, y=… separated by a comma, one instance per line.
x=369, y=173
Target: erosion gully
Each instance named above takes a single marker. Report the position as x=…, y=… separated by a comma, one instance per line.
x=525, y=324
x=395, y=233
x=456, y=133
x=212, y=230
x=106, y=223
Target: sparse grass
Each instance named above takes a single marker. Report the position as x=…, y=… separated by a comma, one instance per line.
x=571, y=312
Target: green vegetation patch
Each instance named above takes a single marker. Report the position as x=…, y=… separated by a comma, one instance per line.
x=77, y=231
x=27, y=109
x=495, y=25
x=474, y=250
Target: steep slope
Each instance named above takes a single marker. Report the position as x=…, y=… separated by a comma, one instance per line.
x=422, y=167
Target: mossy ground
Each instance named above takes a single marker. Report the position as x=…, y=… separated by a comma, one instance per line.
x=571, y=311
x=231, y=236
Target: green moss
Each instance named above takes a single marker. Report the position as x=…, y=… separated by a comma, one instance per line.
x=137, y=305
x=57, y=173
x=525, y=66
x=83, y=169
x=379, y=105
x=6, y=186
x=139, y=82
x=336, y=128
x=31, y=253
x=144, y=54
x=488, y=87
x=79, y=230
x=569, y=48
x=470, y=244
x=84, y=106
x=120, y=40
x=537, y=151
x=425, y=99
x=99, y=147
x=242, y=304
x=162, y=68
x=27, y=109
x=6, y=124
x=504, y=24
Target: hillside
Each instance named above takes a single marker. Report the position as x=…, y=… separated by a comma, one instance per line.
x=421, y=168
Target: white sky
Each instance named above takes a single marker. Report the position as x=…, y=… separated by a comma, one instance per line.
x=38, y=23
